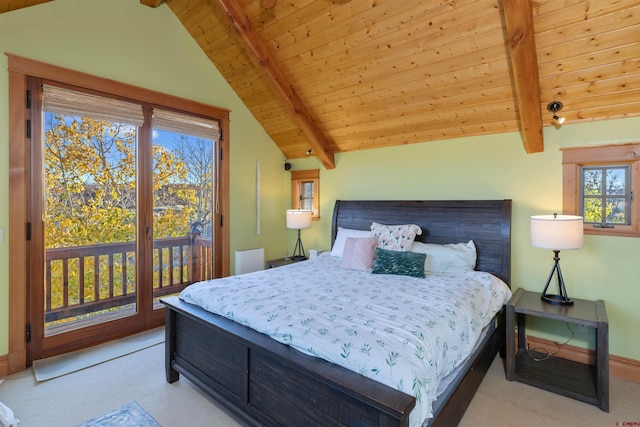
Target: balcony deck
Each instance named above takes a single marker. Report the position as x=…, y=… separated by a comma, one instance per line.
x=73, y=301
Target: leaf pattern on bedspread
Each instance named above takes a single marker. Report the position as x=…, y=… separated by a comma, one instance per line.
x=405, y=332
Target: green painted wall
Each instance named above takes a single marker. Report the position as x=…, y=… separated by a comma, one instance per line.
x=150, y=48
x=135, y=44
x=497, y=167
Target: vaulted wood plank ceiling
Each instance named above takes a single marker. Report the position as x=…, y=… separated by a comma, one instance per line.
x=342, y=75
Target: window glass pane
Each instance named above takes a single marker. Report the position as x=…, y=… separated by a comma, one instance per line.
x=89, y=168
x=592, y=179
x=307, y=189
x=183, y=184
x=183, y=197
x=592, y=210
x=616, y=210
x=616, y=181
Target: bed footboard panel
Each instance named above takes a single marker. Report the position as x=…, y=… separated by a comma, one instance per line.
x=220, y=362
x=267, y=383
x=303, y=399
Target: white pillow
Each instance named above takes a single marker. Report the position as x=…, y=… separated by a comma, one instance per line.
x=447, y=258
x=343, y=233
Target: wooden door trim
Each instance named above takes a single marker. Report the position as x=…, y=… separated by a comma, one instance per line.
x=17, y=356
x=35, y=258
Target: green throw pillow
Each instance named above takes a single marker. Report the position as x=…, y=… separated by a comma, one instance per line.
x=399, y=263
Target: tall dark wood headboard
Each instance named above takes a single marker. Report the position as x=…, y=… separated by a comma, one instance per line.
x=486, y=222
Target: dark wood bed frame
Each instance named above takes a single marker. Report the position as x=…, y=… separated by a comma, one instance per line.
x=264, y=382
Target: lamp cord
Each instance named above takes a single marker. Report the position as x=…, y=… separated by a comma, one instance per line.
x=543, y=351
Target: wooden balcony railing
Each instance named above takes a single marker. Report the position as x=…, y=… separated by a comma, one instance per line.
x=89, y=279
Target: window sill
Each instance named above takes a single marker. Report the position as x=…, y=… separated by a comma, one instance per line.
x=610, y=232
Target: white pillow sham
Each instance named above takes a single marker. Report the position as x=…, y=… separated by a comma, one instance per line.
x=447, y=258
x=338, y=245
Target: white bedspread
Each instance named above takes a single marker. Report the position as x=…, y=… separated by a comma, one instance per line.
x=405, y=332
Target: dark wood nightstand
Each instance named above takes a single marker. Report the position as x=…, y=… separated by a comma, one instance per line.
x=273, y=263
x=579, y=381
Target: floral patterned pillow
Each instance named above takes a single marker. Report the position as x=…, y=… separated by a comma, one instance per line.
x=395, y=237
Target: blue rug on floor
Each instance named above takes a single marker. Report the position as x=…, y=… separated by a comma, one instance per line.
x=129, y=415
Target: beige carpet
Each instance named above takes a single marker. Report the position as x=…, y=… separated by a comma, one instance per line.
x=74, y=398
x=499, y=402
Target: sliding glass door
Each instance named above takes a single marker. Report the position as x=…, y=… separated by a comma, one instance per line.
x=122, y=207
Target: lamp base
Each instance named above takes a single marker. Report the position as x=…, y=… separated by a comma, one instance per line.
x=298, y=251
x=562, y=298
x=556, y=299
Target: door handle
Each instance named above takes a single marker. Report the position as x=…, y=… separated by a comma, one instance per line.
x=148, y=233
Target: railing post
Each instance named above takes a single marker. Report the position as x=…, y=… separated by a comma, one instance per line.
x=195, y=264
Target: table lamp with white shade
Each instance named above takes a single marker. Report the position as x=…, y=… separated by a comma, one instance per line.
x=556, y=232
x=298, y=219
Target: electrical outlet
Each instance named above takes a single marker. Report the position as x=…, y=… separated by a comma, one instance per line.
x=582, y=328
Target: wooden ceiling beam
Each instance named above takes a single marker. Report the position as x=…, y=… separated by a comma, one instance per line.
x=257, y=51
x=518, y=16
x=151, y=3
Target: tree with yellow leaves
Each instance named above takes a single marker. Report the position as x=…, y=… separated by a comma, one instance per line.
x=91, y=198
